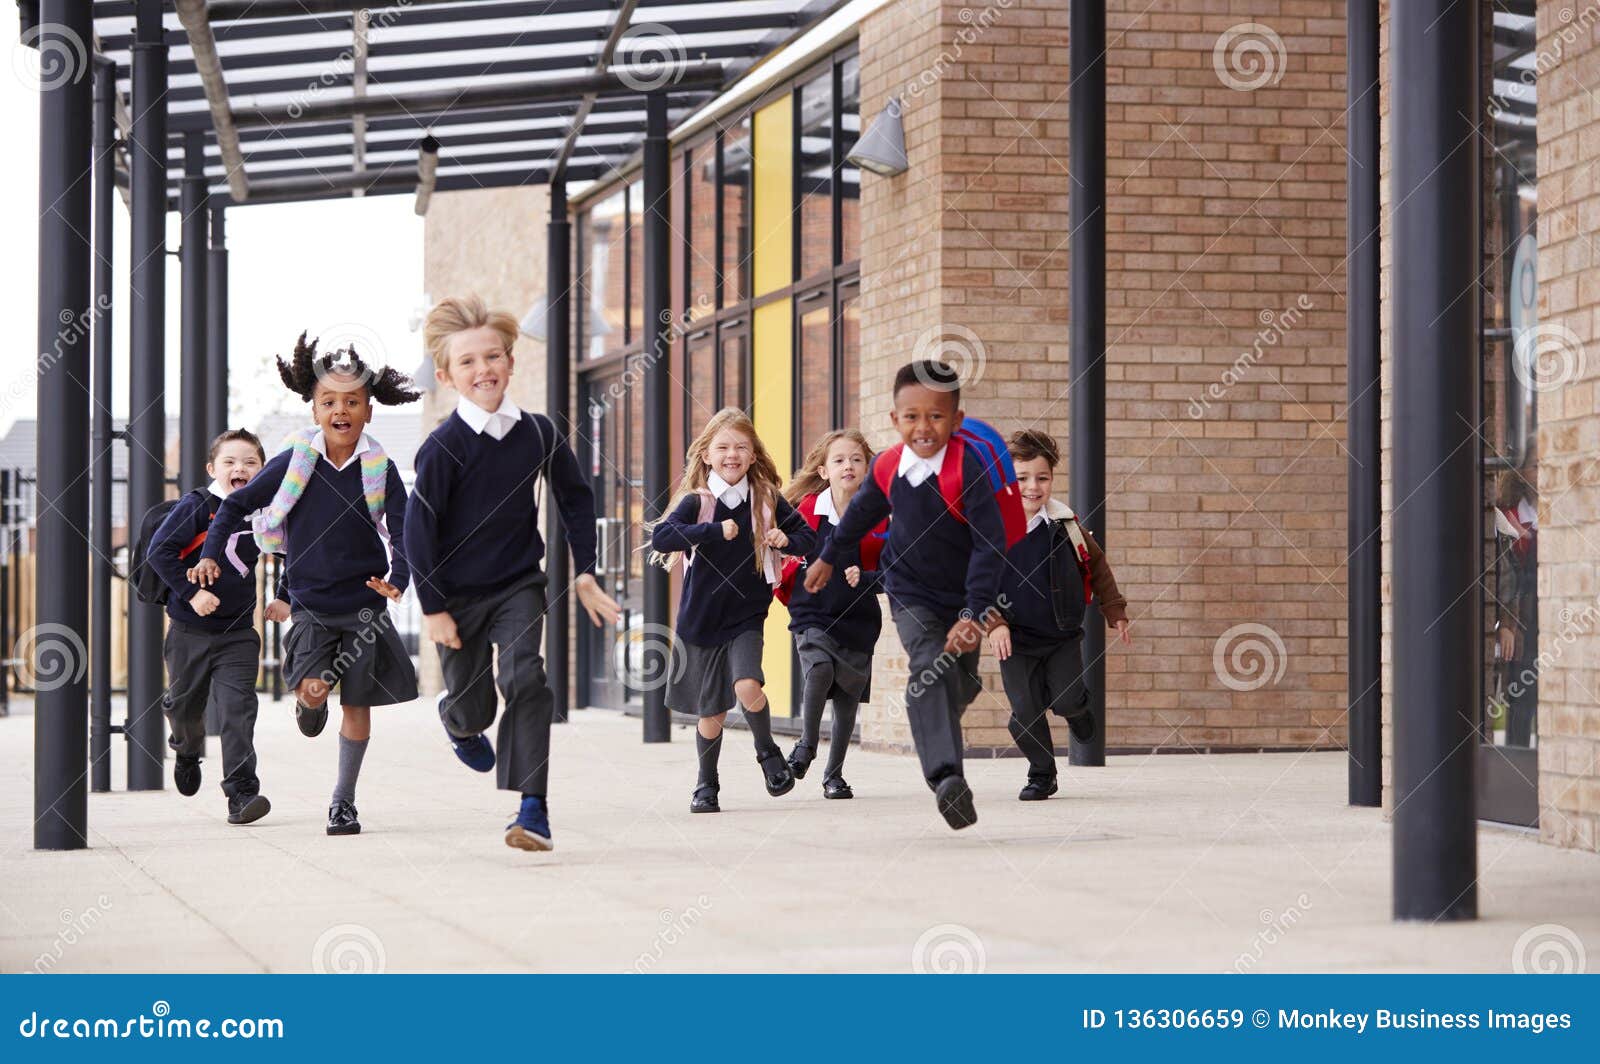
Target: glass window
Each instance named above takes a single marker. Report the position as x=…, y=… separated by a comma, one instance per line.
x=635, y=263
x=815, y=363
x=735, y=371
x=702, y=208
x=850, y=353
x=700, y=393
x=815, y=173
x=849, y=176
x=736, y=185
x=604, y=262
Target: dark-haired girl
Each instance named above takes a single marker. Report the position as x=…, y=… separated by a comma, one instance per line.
x=334, y=505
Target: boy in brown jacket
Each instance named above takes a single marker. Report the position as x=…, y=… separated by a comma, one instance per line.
x=1046, y=584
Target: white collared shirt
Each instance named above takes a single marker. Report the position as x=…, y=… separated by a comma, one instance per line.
x=1038, y=519
x=496, y=423
x=319, y=443
x=216, y=488
x=916, y=469
x=730, y=494
x=825, y=507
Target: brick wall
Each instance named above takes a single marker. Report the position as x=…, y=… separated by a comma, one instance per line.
x=1225, y=330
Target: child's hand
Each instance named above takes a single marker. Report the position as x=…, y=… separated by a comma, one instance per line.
x=818, y=573
x=441, y=628
x=1122, y=632
x=277, y=611
x=852, y=575
x=775, y=538
x=730, y=528
x=1000, y=641
x=205, y=572
x=384, y=588
x=1507, y=638
x=964, y=636
x=602, y=608
x=204, y=603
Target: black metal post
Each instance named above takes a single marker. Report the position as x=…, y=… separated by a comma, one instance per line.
x=1365, y=514
x=657, y=384
x=193, y=441
x=1435, y=109
x=217, y=329
x=61, y=595
x=1086, y=203
x=558, y=403
x=101, y=439
x=147, y=422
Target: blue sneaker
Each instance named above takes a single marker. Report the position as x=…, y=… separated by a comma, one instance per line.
x=531, y=829
x=474, y=752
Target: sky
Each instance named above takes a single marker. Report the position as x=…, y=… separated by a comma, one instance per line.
x=348, y=270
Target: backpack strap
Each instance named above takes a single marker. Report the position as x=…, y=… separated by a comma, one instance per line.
x=548, y=445
x=1080, y=550
x=808, y=510
x=951, y=476
x=884, y=467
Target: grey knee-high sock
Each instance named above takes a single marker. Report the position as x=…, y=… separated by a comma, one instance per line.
x=351, y=751
x=760, y=723
x=708, y=750
x=813, y=696
x=844, y=723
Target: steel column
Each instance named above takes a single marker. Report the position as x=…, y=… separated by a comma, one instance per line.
x=61, y=596
x=657, y=384
x=1086, y=202
x=558, y=404
x=193, y=395
x=1437, y=525
x=217, y=329
x=102, y=440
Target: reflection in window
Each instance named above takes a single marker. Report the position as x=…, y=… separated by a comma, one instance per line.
x=815, y=174
x=604, y=264
x=815, y=415
x=849, y=176
x=850, y=353
x=736, y=372
x=635, y=263
x=700, y=394
x=701, y=168
x=736, y=177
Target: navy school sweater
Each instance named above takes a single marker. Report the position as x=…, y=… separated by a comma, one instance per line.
x=932, y=559
x=189, y=518
x=723, y=593
x=331, y=545
x=1025, y=584
x=848, y=614
x=472, y=525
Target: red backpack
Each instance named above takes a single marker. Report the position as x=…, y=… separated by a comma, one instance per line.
x=871, y=548
x=991, y=449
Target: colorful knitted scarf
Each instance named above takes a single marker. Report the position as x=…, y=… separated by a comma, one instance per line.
x=269, y=522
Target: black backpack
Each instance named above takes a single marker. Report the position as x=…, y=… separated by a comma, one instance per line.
x=146, y=582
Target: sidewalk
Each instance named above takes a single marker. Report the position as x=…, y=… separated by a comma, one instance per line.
x=1188, y=863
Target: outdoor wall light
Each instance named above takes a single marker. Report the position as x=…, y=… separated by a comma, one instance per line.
x=533, y=323
x=882, y=148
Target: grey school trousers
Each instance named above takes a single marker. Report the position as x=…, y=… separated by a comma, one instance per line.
x=938, y=689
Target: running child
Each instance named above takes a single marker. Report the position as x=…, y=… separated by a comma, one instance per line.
x=729, y=525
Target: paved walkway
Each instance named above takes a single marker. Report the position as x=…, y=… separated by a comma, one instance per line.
x=1152, y=863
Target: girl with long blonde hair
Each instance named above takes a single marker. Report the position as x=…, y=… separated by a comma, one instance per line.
x=728, y=525
x=835, y=628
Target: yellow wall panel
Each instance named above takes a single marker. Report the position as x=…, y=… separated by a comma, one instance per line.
x=772, y=394
x=772, y=222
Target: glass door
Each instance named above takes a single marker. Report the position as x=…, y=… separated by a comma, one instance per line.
x=603, y=452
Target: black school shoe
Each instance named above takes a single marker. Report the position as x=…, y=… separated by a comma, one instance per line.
x=775, y=770
x=836, y=787
x=186, y=775
x=247, y=808
x=705, y=799
x=311, y=721
x=954, y=799
x=342, y=819
x=1038, y=790
x=800, y=759
x=1082, y=726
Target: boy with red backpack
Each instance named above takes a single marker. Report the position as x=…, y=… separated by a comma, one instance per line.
x=1050, y=576
x=942, y=562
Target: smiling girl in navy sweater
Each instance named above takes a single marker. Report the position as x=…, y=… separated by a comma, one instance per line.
x=729, y=525
x=836, y=628
x=335, y=508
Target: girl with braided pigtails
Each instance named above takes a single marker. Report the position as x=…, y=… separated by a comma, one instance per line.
x=333, y=505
